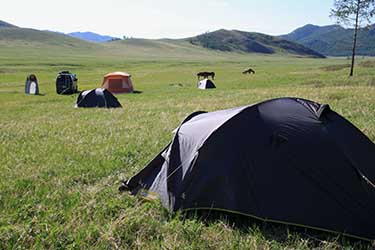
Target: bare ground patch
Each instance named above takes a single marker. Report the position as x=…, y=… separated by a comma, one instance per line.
x=371, y=82
x=367, y=64
x=335, y=67
x=313, y=83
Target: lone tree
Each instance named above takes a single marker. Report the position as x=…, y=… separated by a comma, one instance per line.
x=356, y=13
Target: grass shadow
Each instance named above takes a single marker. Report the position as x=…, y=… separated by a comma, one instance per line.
x=335, y=67
x=281, y=233
x=367, y=64
x=176, y=85
x=371, y=82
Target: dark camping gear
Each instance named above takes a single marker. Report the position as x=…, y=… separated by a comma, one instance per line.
x=66, y=83
x=286, y=160
x=31, y=85
x=97, y=98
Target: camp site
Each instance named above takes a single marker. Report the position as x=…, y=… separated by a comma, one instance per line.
x=188, y=131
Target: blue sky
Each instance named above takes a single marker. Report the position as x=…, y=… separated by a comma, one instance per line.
x=166, y=18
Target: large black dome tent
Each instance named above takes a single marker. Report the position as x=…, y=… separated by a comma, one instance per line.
x=285, y=160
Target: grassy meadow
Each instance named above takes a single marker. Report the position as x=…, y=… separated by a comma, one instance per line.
x=60, y=167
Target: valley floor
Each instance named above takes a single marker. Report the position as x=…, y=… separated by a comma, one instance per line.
x=60, y=166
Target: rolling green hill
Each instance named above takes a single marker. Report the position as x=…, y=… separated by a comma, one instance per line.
x=165, y=48
x=334, y=40
x=11, y=36
x=31, y=44
x=57, y=47
x=249, y=42
x=218, y=44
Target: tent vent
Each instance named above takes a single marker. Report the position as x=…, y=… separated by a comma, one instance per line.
x=322, y=109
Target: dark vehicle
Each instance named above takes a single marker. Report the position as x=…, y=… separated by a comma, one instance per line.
x=66, y=83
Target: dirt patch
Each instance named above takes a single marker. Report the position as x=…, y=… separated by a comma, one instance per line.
x=371, y=82
x=335, y=67
x=312, y=83
x=367, y=64
x=7, y=70
x=176, y=84
x=61, y=65
x=336, y=96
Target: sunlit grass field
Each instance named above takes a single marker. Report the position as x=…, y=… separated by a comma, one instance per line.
x=60, y=167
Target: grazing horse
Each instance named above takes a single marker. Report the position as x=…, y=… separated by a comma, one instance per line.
x=206, y=75
x=249, y=71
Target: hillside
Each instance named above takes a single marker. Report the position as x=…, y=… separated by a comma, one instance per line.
x=31, y=44
x=164, y=48
x=334, y=40
x=218, y=44
x=249, y=42
x=92, y=37
x=31, y=37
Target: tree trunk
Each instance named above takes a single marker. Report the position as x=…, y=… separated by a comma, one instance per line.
x=355, y=37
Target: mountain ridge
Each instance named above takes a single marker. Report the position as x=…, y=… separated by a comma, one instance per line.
x=243, y=41
x=91, y=36
x=334, y=40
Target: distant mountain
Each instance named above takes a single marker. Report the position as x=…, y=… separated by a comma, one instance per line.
x=92, y=37
x=249, y=42
x=6, y=25
x=334, y=40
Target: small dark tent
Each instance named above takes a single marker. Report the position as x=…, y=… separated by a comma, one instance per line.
x=286, y=160
x=206, y=84
x=31, y=85
x=97, y=98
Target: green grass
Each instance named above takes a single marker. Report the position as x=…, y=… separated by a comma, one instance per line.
x=60, y=166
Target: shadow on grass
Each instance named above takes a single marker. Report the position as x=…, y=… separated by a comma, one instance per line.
x=280, y=233
x=137, y=92
x=176, y=85
x=335, y=67
x=19, y=92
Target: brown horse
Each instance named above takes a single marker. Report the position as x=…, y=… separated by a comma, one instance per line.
x=206, y=75
x=249, y=71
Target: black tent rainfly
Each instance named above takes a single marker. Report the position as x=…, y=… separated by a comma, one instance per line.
x=206, y=84
x=31, y=85
x=286, y=160
x=97, y=98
